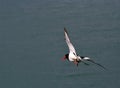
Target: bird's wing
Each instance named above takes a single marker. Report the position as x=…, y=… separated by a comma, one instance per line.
x=96, y=63
x=70, y=45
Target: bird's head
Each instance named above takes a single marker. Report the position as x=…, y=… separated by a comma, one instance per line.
x=65, y=57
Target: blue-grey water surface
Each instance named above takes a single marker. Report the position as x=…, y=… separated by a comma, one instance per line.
x=32, y=43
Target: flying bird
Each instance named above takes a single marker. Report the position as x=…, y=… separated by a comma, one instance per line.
x=72, y=55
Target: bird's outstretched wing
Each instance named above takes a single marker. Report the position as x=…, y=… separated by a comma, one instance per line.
x=96, y=63
x=70, y=45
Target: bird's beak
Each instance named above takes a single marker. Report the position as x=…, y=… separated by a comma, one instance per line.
x=63, y=58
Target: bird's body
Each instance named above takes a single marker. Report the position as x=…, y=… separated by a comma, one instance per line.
x=72, y=55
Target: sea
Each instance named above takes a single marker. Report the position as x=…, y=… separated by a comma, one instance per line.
x=32, y=43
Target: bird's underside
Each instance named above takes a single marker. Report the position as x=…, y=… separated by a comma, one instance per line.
x=72, y=56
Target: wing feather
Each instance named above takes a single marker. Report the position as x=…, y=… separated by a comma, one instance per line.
x=70, y=45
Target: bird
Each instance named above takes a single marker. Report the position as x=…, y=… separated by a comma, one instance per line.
x=72, y=56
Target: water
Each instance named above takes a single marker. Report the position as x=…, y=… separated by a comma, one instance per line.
x=32, y=43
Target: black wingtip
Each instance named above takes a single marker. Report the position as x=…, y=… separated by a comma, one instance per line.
x=98, y=64
x=65, y=29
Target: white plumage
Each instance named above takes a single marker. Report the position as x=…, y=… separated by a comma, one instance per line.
x=72, y=56
x=72, y=52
